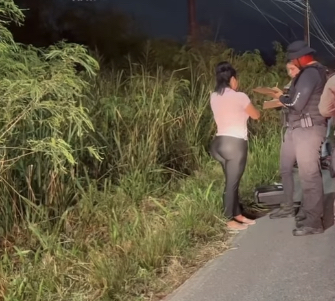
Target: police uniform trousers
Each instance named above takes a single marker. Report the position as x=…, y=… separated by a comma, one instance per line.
x=304, y=146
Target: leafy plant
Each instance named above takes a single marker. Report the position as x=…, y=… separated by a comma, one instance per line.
x=107, y=189
x=43, y=123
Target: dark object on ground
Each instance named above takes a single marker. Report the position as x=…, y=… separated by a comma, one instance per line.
x=283, y=212
x=254, y=212
x=270, y=195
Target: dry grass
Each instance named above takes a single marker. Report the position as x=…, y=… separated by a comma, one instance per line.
x=107, y=191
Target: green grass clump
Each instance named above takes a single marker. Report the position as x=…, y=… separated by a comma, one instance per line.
x=107, y=189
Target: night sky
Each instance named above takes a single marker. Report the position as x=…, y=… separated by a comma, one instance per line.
x=243, y=27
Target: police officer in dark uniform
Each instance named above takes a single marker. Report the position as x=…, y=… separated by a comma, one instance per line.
x=303, y=139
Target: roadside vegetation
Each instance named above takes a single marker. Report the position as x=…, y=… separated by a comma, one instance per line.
x=107, y=189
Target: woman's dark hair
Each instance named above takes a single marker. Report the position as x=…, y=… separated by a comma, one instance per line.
x=224, y=72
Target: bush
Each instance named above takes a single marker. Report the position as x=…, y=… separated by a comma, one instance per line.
x=107, y=188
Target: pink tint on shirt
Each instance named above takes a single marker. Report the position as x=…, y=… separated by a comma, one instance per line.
x=229, y=113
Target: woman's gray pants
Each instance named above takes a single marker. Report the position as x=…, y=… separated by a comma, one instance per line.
x=304, y=145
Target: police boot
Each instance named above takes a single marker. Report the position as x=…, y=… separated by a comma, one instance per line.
x=300, y=216
x=283, y=212
x=303, y=231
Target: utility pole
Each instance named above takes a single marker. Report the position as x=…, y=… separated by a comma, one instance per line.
x=192, y=20
x=307, y=23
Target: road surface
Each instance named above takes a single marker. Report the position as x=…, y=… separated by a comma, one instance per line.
x=267, y=263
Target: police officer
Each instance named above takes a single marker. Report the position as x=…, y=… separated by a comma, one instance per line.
x=327, y=102
x=303, y=139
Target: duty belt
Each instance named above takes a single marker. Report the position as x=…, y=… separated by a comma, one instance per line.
x=295, y=125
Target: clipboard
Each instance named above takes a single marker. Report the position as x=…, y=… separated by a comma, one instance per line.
x=266, y=91
x=271, y=104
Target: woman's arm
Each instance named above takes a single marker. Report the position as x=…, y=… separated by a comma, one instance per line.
x=252, y=111
x=248, y=107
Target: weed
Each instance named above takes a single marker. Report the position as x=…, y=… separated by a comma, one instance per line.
x=107, y=189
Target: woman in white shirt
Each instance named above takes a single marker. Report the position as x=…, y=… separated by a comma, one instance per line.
x=231, y=110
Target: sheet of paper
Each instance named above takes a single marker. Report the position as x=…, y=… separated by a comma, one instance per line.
x=271, y=104
x=266, y=90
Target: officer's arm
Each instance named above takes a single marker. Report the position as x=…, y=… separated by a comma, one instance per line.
x=303, y=90
x=327, y=102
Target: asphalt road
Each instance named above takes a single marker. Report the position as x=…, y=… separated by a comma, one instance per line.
x=267, y=263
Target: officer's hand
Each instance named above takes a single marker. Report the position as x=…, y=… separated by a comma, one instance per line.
x=277, y=92
x=277, y=95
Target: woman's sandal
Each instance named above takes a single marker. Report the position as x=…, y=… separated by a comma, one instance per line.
x=247, y=221
x=237, y=226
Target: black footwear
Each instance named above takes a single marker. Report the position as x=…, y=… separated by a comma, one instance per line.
x=299, y=213
x=283, y=213
x=299, y=218
x=302, y=231
x=299, y=224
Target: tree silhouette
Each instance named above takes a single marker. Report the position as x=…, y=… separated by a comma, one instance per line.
x=114, y=34
x=35, y=29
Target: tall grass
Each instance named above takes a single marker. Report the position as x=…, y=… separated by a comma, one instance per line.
x=107, y=189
